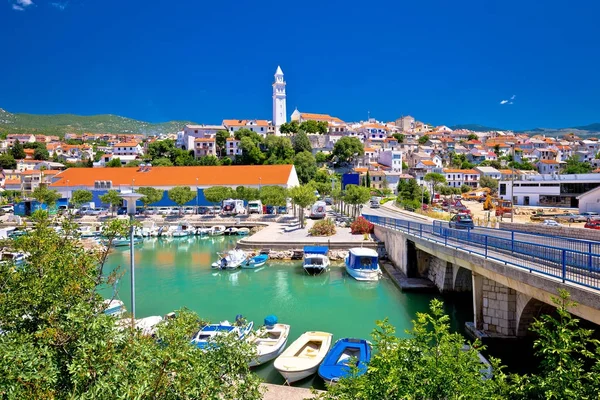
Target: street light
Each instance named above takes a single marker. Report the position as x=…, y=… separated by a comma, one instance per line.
x=131, y=200
x=259, y=182
x=196, y=196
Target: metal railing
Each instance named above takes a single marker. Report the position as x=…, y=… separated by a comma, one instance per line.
x=529, y=252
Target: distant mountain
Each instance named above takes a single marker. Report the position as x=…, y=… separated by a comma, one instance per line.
x=59, y=124
x=581, y=131
x=476, y=128
x=591, y=127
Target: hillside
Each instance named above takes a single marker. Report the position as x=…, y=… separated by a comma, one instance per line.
x=60, y=124
x=475, y=127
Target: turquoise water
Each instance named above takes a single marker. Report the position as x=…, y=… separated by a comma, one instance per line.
x=176, y=273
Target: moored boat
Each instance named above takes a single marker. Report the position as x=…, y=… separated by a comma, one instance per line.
x=337, y=362
x=362, y=264
x=206, y=336
x=255, y=262
x=270, y=340
x=315, y=260
x=302, y=358
x=203, y=231
x=217, y=230
x=183, y=229
x=230, y=260
x=124, y=242
x=243, y=231
x=114, y=307
x=231, y=231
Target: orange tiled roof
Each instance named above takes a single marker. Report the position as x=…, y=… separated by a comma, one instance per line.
x=428, y=163
x=126, y=144
x=178, y=176
x=319, y=117
x=204, y=140
x=549, y=162
x=453, y=170
x=370, y=149
x=12, y=182
x=232, y=139
x=244, y=122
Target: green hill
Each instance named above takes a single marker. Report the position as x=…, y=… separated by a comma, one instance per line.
x=59, y=124
x=475, y=127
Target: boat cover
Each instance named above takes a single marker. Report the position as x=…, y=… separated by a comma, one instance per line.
x=336, y=362
x=316, y=250
x=363, y=262
x=270, y=321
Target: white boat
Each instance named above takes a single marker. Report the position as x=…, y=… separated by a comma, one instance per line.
x=203, y=231
x=243, y=231
x=362, y=264
x=86, y=231
x=231, y=231
x=270, y=340
x=217, y=230
x=114, y=307
x=124, y=242
x=183, y=229
x=15, y=258
x=302, y=358
x=241, y=329
x=230, y=260
x=315, y=260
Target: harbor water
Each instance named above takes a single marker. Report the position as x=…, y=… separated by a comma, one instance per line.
x=175, y=272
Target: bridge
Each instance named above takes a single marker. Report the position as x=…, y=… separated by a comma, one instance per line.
x=512, y=275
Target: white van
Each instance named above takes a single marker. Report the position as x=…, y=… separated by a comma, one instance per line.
x=318, y=210
x=255, y=207
x=233, y=207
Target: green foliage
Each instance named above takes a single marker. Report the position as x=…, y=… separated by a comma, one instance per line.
x=356, y=195
x=114, y=163
x=491, y=163
x=347, y=148
x=488, y=182
x=273, y=195
x=323, y=176
x=399, y=137
x=246, y=193
x=325, y=227
x=574, y=166
x=302, y=143
x=133, y=164
x=251, y=154
x=221, y=140
x=423, y=139
x=368, y=180
x=17, y=151
x=245, y=132
x=324, y=188
x=465, y=188
x=112, y=198
x=467, y=165
x=162, y=162
x=289, y=127
x=7, y=161
x=306, y=167
x=41, y=154
x=59, y=344
x=181, y=195
x=310, y=126
x=45, y=195
x=472, y=136
x=411, y=191
x=525, y=165
x=303, y=196
x=208, y=160
x=279, y=150
x=321, y=158
x=78, y=197
x=151, y=195
x=216, y=194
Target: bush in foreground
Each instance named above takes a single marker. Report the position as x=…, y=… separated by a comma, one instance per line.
x=325, y=227
x=360, y=226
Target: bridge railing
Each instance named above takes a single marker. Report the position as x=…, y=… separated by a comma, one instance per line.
x=569, y=265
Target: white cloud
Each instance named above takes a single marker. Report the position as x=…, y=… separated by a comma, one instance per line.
x=504, y=102
x=513, y=97
x=60, y=6
x=17, y=8
x=21, y=5
x=25, y=3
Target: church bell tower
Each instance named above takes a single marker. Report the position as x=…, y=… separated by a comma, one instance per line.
x=279, y=110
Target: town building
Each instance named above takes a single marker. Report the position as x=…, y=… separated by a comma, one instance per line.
x=232, y=148
x=279, y=100
x=185, y=138
x=205, y=147
x=255, y=125
x=300, y=117
x=547, y=166
x=489, y=172
x=391, y=159
x=458, y=177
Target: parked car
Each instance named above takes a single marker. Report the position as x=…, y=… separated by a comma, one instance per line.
x=8, y=208
x=550, y=222
x=269, y=210
x=572, y=217
x=282, y=210
x=189, y=210
x=122, y=211
x=164, y=211
x=328, y=201
x=594, y=224
x=318, y=210
x=374, y=204
x=590, y=215
x=255, y=207
x=461, y=221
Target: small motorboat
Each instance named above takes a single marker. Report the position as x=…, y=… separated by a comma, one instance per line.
x=315, y=260
x=217, y=230
x=255, y=262
x=124, y=242
x=270, y=340
x=114, y=307
x=241, y=329
x=203, y=231
x=337, y=362
x=302, y=358
x=243, y=231
x=230, y=260
x=183, y=229
x=362, y=264
x=15, y=258
x=231, y=231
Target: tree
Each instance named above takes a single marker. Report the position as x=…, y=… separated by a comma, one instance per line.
x=162, y=162
x=57, y=342
x=114, y=163
x=78, y=197
x=273, y=196
x=111, y=198
x=434, y=179
x=251, y=154
x=322, y=127
x=574, y=166
x=356, y=195
x=472, y=136
x=322, y=176
x=423, y=139
x=279, y=150
x=321, y=158
x=399, y=137
x=289, y=127
x=310, y=126
x=216, y=194
x=306, y=166
x=133, y=164
x=151, y=195
x=301, y=143
x=465, y=188
x=208, y=160
x=221, y=141
x=45, y=196
x=488, y=182
x=347, y=148
x=181, y=195
x=303, y=196
x=432, y=363
x=17, y=151
x=368, y=180
x=324, y=188
x=7, y=161
x=247, y=193
x=41, y=154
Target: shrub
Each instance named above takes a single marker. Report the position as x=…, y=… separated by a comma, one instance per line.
x=361, y=226
x=325, y=227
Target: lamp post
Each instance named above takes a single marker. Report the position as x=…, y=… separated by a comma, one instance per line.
x=259, y=182
x=131, y=200
x=196, y=196
x=512, y=184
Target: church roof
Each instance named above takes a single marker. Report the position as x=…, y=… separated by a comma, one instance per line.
x=279, y=71
x=319, y=117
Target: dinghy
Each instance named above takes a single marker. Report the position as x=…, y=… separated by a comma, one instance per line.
x=243, y=231
x=270, y=340
x=303, y=357
x=255, y=262
x=336, y=364
x=230, y=260
x=206, y=336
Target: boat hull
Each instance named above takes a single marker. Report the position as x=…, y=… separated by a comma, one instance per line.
x=311, y=270
x=364, y=274
x=291, y=377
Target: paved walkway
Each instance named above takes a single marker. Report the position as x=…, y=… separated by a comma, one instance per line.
x=280, y=392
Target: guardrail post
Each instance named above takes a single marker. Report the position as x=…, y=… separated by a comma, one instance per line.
x=564, y=265
x=486, y=246
x=420, y=230
x=512, y=241
x=408, y=226
x=445, y=237
x=590, y=256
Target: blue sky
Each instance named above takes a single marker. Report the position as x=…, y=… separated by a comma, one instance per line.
x=443, y=62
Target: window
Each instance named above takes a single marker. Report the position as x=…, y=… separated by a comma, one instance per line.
x=196, y=131
x=503, y=189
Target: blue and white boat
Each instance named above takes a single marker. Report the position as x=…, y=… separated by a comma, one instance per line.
x=124, y=242
x=315, y=260
x=206, y=336
x=255, y=262
x=233, y=259
x=337, y=362
x=362, y=264
x=114, y=307
x=270, y=340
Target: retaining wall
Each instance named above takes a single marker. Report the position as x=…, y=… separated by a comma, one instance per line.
x=577, y=233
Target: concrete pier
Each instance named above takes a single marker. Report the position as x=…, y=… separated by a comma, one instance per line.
x=280, y=392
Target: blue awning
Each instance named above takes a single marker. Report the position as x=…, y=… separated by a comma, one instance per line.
x=316, y=250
